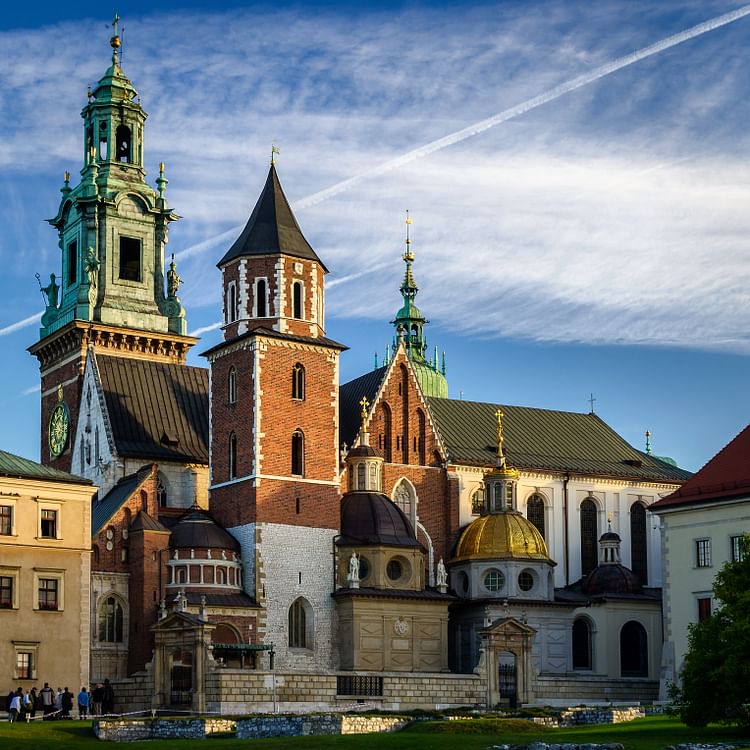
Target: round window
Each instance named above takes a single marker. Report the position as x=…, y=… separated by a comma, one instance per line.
x=494, y=580
x=364, y=567
x=525, y=581
x=394, y=570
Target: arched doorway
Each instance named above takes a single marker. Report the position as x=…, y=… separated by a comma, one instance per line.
x=633, y=650
x=181, y=678
x=507, y=678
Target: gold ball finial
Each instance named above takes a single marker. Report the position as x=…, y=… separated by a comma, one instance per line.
x=115, y=42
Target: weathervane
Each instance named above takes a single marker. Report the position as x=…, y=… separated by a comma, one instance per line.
x=274, y=151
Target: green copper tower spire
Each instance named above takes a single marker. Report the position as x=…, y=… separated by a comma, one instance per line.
x=410, y=324
x=113, y=226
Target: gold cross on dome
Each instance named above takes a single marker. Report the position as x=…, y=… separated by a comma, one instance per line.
x=365, y=404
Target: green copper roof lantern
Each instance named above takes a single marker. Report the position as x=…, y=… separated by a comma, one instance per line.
x=113, y=226
x=409, y=324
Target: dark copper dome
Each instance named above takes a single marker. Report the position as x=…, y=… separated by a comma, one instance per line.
x=611, y=578
x=362, y=450
x=197, y=530
x=371, y=518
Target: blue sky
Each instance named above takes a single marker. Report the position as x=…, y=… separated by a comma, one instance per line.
x=595, y=243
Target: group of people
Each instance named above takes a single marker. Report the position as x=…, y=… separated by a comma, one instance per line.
x=23, y=706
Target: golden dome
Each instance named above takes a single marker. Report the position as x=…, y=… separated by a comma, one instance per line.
x=506, y=535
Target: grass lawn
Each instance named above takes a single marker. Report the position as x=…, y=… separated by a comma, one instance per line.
x=652, y=733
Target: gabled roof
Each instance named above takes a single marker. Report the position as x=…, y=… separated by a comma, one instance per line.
x=145, y=522
x=158, y=411
x=350, y=394
x=102, y=510
x=18, y=467
x=543, y=439
x=725, y=476
x=271, y=228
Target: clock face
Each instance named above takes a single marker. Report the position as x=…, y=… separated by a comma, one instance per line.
x=59, y=429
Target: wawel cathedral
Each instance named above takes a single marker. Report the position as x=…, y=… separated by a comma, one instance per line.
x=263, y=532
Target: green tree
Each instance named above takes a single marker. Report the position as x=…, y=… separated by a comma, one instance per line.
x=716, y=673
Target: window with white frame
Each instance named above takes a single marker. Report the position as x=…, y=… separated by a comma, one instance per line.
x=703, y=553
x=231, y=302
x=49, y=521
x=9, y=577
x=49, y=589
x=261, y=298
x=25, y=659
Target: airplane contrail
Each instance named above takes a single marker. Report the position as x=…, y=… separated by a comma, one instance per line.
x=35, y=318
x=472, y=130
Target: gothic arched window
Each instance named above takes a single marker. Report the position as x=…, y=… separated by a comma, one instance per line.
x=405, y=498
x=422, y=427
x=232, y=456
x=639, y=542
x=300, y=624
x=110, y=620
x=298, y=453
x=298, y=382
x=535, y=512
x=589, y=536
x=232, y=386
x=384, y=443
x=477, y=502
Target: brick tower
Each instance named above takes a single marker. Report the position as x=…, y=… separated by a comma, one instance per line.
x=112, y=229
x=274, y=428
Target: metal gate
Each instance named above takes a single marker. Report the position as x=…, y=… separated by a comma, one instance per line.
x=507, y=682
x=181, y=683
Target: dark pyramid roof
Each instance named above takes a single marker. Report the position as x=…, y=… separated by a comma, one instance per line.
x=158, y=410
x=145, y=522
x=350, y=394
x=18, y=467
x=271, y=228
x=726, y=475
x=543, y=439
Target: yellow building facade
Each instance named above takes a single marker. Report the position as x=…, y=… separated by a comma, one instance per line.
x=45, y=574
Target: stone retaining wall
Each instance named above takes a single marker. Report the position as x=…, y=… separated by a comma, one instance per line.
x=254, y=727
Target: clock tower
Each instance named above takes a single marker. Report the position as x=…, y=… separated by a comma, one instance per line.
x=108, y=291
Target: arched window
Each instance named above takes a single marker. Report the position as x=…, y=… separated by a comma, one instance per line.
x=261, y=305
x=232, y=386
x=639, y=542
x=422, y=426
x=298, y=382
x=110, y=621
x=232, y=456
x=161, y=491
x=361, y=477
x=231, y=302
x=300, y=624
x=633, y=650
x=589, y=536
x=582, y=644
x=122, y=135
x=297, y=300
x=477, y=502
x=405, y=498
x=535, y=512
x=298, y=453
x=405, y=415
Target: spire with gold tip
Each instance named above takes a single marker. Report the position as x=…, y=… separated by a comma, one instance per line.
x=500, y=483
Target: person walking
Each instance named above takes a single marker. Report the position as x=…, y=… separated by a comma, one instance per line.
x=47, y=698
x=15, y=706
x=8, y=701
x=58, y=703
x=83, y=703
x=34, y=701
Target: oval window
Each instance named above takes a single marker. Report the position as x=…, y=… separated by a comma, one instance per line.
x=525, y=581
x=494, y=580
x=394, y=570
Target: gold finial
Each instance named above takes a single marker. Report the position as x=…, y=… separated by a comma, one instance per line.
x=408, y=254
x=92, y=155
x=365, y=404
x=60, y=392
x=500, y=438
x=161, y=167
x=66, y=176
x=274, y=151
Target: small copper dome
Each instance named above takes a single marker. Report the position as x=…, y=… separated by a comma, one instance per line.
x=611, y=578
x=197, y=530
x=362, y=450
x=501, y=536
x=372, y=518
